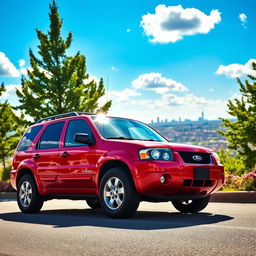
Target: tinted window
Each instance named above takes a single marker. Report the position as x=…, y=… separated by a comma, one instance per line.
x=28, y=137
x=76, y=126
x=51, y=136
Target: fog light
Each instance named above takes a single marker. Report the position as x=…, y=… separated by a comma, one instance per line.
x=162, y=179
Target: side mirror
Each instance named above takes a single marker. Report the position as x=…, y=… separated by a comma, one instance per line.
x=84, y=138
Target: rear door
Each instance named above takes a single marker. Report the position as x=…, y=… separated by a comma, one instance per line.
x=46, y=154
x=78, y=161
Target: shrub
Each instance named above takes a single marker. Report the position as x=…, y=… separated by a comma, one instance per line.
x=232, y=182
x=249, y=181
x=231, y=161
x=6, y=187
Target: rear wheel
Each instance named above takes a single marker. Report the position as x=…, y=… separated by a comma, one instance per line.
x=93, y=203
x=191, y=206
x=118, y=196
x=28, y=198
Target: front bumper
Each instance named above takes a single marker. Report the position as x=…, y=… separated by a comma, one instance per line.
x=180, y=180
x=13, y=175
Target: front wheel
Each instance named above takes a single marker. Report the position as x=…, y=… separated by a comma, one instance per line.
x=93, y=203
x=118, y=196
x=191, y=206
x=28, y=198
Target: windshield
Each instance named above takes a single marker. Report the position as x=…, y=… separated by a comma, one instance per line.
x=119, y=128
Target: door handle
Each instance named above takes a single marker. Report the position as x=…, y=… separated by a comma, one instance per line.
x=64, y=154
x=36, y=156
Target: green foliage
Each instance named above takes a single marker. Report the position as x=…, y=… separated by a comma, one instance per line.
x=56, y=82
x=241, y=134
x=232, y=162
x=5, y=172
x=10, y=131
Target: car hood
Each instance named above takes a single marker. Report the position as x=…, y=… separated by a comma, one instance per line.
x=155, y=144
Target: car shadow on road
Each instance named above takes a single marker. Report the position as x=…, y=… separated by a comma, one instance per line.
x=142, y=220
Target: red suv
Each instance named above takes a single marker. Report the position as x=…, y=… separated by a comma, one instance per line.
x=113, y=163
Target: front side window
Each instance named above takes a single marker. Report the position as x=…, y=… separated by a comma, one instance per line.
x=119, y=128
x=28, y=138
x=76, y=126
x=51, y=136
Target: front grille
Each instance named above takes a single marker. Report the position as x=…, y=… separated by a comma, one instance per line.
x=195, y=157
x=197, y=183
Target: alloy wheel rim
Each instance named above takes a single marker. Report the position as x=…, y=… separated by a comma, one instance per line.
x=25, y=194
x=114, y=193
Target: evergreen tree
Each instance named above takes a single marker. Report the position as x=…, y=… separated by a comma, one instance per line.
x=241, y=134
x=56, y=83
x=10, y=130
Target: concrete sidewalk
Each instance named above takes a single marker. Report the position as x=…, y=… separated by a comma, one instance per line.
x=219, y=197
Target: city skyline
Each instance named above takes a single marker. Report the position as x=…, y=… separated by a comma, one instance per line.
x=166, y=120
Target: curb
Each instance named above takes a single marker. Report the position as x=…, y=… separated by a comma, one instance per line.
x=7, y=195
x=234, y=197
x=219, y=197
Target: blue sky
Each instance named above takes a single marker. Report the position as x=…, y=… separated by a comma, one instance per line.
x=161, y=58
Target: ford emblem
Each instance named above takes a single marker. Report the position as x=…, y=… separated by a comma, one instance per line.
x=197, y=158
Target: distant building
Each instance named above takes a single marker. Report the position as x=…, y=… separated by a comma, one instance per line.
x=201, y=119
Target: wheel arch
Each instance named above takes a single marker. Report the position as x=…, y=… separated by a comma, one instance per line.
x=26, y=171
x=113, y=164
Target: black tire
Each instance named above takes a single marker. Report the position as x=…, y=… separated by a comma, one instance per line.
x=124, y=200
x=93, y=203
x=191, y=206
x=28, y=198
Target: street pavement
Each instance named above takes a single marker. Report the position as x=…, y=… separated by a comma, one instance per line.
x=66, y=227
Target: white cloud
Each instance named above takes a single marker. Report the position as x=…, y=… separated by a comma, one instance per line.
x=189, y=99
x=211, y=90
x=24, y=71
x=237, y=96
x=170, y=23
x=10, y=91
x=6, y=67
x=128, y=30
x=90, y=79
x=21, y=63
x=189, y=106
x=124, y=95
x=237, y=70
x=243, y=18
x=113, y=68
x=158, y=83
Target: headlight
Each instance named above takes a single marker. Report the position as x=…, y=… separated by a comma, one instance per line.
x=164, y=154
x=216, y=157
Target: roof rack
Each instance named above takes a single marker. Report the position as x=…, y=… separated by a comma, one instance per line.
x=62, y=116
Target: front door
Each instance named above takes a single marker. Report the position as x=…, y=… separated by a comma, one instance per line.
x=78, y=161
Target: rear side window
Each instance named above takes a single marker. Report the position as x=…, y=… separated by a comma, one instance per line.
x=51, y=136
x=76, y=126
x=28, y=138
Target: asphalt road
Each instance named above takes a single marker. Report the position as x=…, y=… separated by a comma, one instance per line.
x=65, y=227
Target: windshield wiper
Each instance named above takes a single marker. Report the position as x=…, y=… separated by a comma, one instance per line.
x=119, y=138
x=147, y=140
